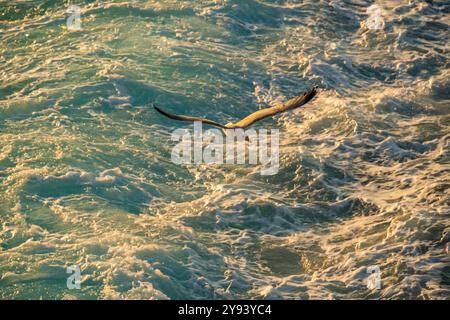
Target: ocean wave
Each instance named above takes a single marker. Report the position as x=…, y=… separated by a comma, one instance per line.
x=85, y=171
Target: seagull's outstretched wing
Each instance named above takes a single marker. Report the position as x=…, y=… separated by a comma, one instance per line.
x=268, y=112
x=188, y=118
x=293, y=103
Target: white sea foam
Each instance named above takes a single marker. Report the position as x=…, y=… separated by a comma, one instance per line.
x=86, y=177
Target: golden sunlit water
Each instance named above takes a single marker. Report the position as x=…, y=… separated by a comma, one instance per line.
x=86, y=177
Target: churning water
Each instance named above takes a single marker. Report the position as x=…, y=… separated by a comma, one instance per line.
x=86, y=176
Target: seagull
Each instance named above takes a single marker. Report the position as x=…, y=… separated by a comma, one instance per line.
x=291, y=104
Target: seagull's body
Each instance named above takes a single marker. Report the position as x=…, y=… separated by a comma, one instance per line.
x=293, y=103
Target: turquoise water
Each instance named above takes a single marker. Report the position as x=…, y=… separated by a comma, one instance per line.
x=85, y=171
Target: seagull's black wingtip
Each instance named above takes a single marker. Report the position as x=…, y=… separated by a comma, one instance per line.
x=161, y=111
x=158, y=109
x=314, y=89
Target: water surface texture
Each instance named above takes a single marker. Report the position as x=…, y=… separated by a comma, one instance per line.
x=86, y=176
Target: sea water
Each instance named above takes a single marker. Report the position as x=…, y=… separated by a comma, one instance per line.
x=87, y=181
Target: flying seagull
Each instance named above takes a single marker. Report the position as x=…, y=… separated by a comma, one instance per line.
x=293, y=103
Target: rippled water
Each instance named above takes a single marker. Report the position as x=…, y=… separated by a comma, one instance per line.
x=86, y=177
